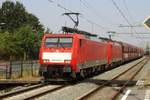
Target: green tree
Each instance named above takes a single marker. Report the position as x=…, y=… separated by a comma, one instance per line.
x=9, y=45
x=30, y=41
x=15, y=16
x=20, y=31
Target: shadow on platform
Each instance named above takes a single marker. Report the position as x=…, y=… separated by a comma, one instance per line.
x=110, y=82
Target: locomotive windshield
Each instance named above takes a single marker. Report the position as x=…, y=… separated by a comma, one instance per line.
x=58, y=42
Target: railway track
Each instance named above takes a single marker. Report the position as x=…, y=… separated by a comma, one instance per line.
x=11, y=93
x=93, y=92
x=31, y=92
x=39, y=90
x=131, y=78
x=10, y=85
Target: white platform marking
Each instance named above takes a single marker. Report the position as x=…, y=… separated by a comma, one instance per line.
x=126, y=95
x=140, y=82
x=147, y=95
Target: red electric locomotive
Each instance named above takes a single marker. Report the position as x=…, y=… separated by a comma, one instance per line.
x=80, y=54
x=71, y=56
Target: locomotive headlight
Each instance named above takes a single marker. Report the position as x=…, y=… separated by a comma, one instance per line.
x=67, y=61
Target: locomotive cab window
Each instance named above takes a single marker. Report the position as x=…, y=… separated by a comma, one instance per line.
x=58, y=42
x=51, y=42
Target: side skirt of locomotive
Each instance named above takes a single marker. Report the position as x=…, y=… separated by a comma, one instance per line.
x=90, y=69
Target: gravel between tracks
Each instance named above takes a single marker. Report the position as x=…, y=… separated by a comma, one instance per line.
x=75, y=91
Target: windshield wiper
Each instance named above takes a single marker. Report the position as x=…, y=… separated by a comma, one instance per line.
x=62, y=45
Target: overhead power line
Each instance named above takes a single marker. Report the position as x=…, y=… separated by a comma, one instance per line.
x=121, y=33
x=122, y=14
x=60, y=6
x=125, y=18
x=127, y=9
x=66, y=9
x=91, y=22
x=138, y=25
x=93, y=10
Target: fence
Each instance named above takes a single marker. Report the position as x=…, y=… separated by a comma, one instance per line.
x=18, y=69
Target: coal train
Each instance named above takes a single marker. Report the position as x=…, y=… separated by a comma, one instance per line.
x=77, y=54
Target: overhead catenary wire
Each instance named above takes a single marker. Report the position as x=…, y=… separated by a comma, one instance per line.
x=87, y=5
x=132, y=19
x=100, y=26
x=60, y=6
x=83, y=17
x=90, y=8
x=139, y=25
x=66, y=9
x=127, y=9
x=123, y=15
x=120, y=11
x=93, y=10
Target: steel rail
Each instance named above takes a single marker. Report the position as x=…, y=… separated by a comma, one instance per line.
x=33, y=96
x=90, y=93
x=125, y=84
x=12, y=93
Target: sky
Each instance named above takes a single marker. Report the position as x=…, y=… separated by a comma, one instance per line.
x=96, y=16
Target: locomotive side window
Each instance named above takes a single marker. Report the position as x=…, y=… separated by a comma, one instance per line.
x=80, y=43
x=58, y=42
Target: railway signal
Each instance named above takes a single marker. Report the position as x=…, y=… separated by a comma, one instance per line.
x=147, y=22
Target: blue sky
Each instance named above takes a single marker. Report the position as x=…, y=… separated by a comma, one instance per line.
x=102, y=13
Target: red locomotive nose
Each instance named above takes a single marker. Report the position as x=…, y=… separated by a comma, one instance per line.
x=56, y=49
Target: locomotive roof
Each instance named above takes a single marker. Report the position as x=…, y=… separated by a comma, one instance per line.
x=73, y=30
